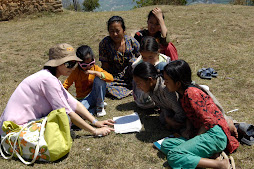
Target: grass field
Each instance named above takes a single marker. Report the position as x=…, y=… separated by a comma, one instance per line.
x=218, y=36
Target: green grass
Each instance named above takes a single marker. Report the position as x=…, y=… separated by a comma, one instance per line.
x=218, y=36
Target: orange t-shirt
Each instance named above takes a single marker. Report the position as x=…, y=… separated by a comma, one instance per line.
x=84, y=82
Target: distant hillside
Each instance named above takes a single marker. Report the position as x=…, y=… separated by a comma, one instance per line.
x=125, y=5
x=115, y=5
x=107, y=5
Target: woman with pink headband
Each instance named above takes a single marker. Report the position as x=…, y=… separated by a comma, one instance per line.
x=90, y=82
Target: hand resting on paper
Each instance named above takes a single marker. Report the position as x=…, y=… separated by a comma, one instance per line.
x=104, y=123
x=102, y=131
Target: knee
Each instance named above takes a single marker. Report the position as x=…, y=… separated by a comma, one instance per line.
x=173, y=158
x=167, y=145
x=172, y=154
x=164, y=147
x=99, y=82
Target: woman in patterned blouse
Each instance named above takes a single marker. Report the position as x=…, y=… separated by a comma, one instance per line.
x=117, y=52
x=211, y=132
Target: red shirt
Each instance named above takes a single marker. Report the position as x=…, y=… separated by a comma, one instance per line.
x=202, y=111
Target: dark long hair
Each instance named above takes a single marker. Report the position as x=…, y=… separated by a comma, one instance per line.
x=52, y=70
x=84, y=52
x=149, y=44
x=179, y=70
x=144, y=70
x=116, y=19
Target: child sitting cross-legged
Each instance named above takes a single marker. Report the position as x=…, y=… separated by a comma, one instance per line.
x=211, y=133
x=90, y=81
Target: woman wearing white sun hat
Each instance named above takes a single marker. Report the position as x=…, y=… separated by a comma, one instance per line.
x=40, y=93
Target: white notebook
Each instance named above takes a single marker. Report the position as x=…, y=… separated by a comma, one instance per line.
x=127, y=124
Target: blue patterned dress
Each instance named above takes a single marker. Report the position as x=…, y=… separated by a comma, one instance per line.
x=119, y=65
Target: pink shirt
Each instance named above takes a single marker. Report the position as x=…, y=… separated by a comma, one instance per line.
x=35, y=97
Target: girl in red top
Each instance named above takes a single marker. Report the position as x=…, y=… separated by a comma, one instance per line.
x=211, y=133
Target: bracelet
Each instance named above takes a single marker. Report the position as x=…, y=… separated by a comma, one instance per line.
x=94, y=121
x=102, y=75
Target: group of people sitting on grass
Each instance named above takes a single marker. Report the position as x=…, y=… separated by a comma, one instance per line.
x=145, y=66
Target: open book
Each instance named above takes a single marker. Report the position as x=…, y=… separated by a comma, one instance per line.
x=157, y=144
x=127, y=124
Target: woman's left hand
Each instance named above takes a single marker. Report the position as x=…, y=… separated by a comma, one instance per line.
x=104, y=123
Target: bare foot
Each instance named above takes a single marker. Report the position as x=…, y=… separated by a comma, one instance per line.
x=224, y=164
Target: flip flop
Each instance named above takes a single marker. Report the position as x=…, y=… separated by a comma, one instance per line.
x=247, y=131
x=224, y=155
x=247, y=128
x=232, y=162
x=204, y=74
x=249, y=141
x=212, y=71
x=230, y=158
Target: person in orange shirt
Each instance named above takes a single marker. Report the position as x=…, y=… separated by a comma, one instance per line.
x=90, y=81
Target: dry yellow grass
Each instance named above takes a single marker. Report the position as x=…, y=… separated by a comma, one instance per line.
x=218, y=36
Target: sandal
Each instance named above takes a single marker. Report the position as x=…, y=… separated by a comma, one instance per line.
x=232, y=162
x=246, y=133
x=212, y=71
x=204, y=74
x=230, y=158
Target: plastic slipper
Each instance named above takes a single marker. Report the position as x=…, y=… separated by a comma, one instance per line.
x=249, y=141
x=200, y=70
x=212, y=71
x=247, y=128
x=246, y=133
x=224, y=155
x=232, y=162
x=230, y=158
x=204, y=74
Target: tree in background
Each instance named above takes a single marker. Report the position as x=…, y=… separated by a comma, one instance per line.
x=142, y=3
x=71, y=5
x=90, y=5
x=243, y=2
x=75, y=5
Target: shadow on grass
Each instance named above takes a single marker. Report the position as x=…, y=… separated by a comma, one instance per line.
x=153, y=129
x=127, y=106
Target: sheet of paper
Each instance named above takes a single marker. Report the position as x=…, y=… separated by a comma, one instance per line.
x=127, y=124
